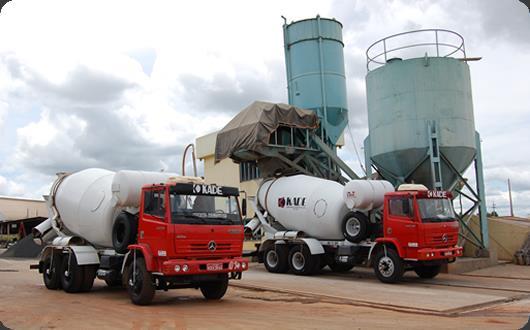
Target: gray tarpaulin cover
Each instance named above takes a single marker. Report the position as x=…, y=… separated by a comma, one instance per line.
x=251, y=128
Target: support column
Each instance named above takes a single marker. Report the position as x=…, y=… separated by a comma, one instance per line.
x=367, y=157
x=479, y=174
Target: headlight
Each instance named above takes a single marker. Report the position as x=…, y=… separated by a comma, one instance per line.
x=244, y=265
x=177, y=268
x=231, y=265
x=185, y=268
x=238, y=265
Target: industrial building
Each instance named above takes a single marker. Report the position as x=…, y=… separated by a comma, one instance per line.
x=18, y=216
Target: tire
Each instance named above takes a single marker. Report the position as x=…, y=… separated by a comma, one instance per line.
x=215, y=290
x=51, y=273
x=428, y=271
x=275, y=259
x=341, y=267
x=140, y=284
x=72, y=275
x=124, y=232
x=301, y=262
x=89, y=274
x=388, y=267
x=355, y=227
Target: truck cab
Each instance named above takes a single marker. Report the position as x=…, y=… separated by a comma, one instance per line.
x=188, y=235
x=419, y=232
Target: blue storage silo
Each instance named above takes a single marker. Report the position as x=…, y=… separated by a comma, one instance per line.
x=420, y=114
x=404, y=98
x=315, y=72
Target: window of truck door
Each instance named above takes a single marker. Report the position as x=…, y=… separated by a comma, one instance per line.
x=401, y=206
x=155, y=203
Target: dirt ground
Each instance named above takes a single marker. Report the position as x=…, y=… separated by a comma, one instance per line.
x=26, y=304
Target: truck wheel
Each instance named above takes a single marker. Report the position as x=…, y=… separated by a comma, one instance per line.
x=71, y=274
x=341, y=267
x=215, y=290
x=302, y=262
x=124, y=232
x=275, y=259
x=140, y=283
x=388, y=266
x=427, y=271
x=355, y=226
x=51, y=273
x=89, y=274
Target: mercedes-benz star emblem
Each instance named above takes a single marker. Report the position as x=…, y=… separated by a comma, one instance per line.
x=212, y=246
x=445, y=238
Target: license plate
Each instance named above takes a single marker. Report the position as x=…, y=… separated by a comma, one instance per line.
x=212, y=267
x=448, y=253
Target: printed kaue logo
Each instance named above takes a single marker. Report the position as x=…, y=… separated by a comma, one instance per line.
x=291, y=202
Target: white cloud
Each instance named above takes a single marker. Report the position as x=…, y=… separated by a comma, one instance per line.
x=3, y=112
x=10, y=187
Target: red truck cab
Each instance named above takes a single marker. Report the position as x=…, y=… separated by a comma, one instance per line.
x=420, y=233
x=188, y=235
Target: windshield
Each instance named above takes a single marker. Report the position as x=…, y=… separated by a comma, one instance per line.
x=436, y=210
x=204, y=210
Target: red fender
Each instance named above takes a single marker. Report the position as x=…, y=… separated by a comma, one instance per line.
x=150, y=262
x=391, y=241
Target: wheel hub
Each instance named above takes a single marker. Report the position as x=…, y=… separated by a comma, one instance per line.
x=272, y=258
x=386, y=266
x=353, y=227
x=298, y=261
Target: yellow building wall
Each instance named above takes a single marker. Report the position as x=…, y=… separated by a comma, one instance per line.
x=19, y=208
x=506, y=236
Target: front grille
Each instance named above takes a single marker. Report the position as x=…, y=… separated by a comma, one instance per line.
x=221, y=247
x=451, y=239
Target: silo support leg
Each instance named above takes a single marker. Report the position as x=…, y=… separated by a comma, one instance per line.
x=484, y=229
x=367, y=158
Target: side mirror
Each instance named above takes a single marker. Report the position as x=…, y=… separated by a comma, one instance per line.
x=244, y=207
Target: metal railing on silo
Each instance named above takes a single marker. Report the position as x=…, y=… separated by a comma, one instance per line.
x=430, y=40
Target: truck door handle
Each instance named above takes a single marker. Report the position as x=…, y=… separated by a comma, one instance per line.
x=160, y=228
x=410, y=226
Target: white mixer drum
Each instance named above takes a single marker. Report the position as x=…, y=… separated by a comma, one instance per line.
x=84, y=202
x=305, y=203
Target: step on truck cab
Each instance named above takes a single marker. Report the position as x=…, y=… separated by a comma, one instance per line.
x=183, y=234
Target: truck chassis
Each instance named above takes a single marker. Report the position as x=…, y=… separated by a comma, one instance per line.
x=74, y=268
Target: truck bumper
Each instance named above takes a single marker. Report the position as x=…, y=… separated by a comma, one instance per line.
x=175, y=267
x=440, y=253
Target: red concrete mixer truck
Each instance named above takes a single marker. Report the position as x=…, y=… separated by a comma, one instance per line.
x=146, y=231
x=310, y=223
